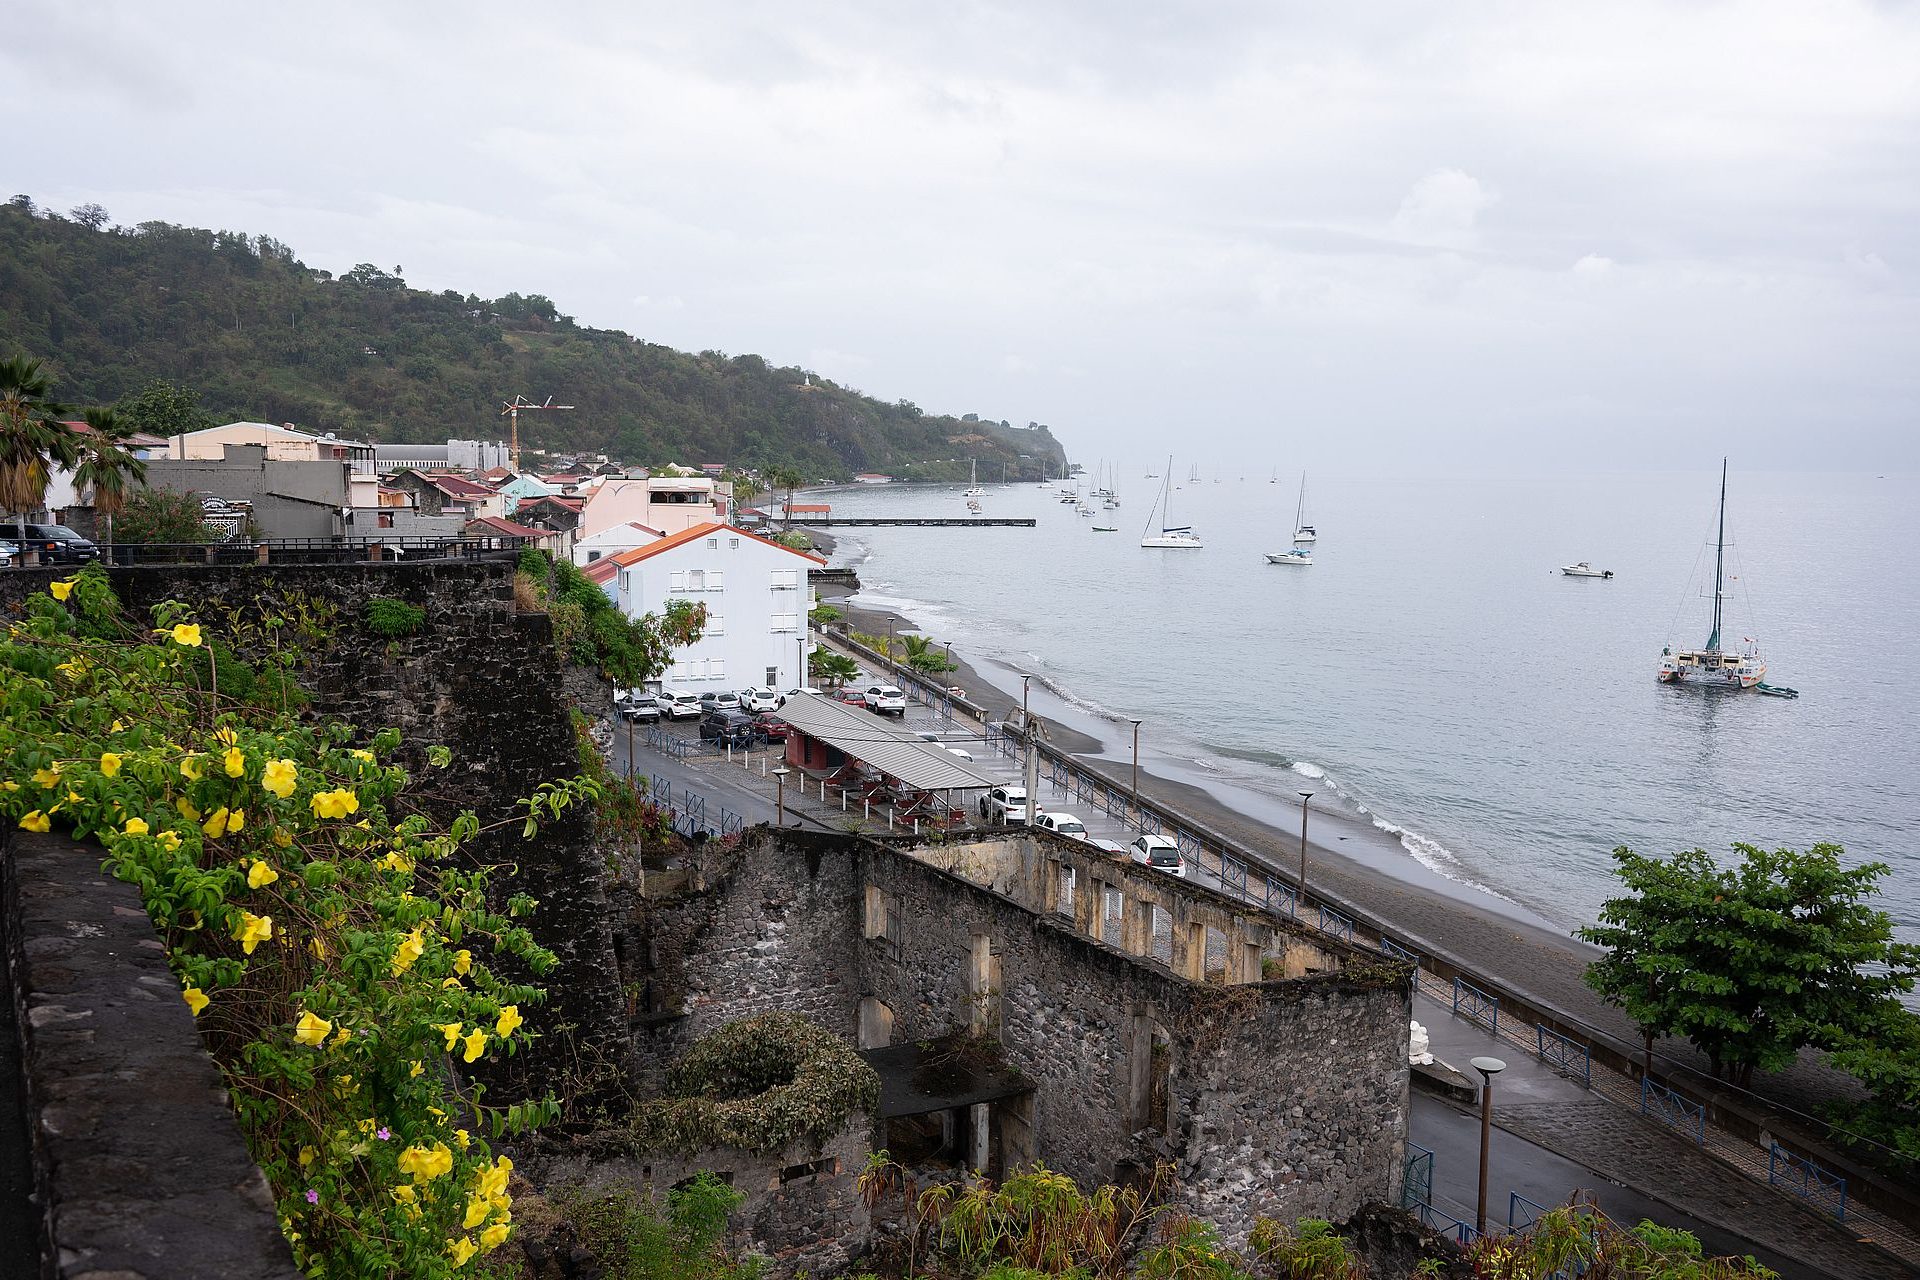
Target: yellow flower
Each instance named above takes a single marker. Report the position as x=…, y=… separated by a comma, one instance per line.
x=404, y=1194
x=185, y=633
x=63, y=588
x=409, y=950
x=10, y=785
x=425, y=1164
x=283, y=838
x=260, y=875
x=340, y=1037
x=448, y=983
x=278, y=777
x=253, y=930
x=169, y=840
x=73, y=669
x=396, y=861
x=136, y=827
x=476, y=1043
x=235, y=761
x=311, y=1029
x=216, y=825
x=307, y=1156
x=190, y=769
x=115, y=727
x=477, y=1210
x=109, y=765
x=451, y=1030
x=463, y=962
x=47, y=778
x=335, y=804
x=415, y=1068
x=494, y=1236
x=462, y=1139
x=35, y=821
x=509, y=1021
x=493, y=1182
x=461, y=1250
x=358, y=754
x=196, y=999
x=225, y=737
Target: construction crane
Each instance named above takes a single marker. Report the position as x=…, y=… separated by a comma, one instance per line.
x=511, y=410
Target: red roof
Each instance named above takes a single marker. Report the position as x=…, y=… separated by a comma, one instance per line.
x=694, y=534
x=601, y=571
x=496, y=527
x=820, y=507
x=458, y=487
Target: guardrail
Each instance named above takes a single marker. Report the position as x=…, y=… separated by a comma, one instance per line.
x=1563, y=1054
x=1675, y=1110
x=1470, y=1001
x=308, y=550
x=1416, y=1185
x=1803, y=1177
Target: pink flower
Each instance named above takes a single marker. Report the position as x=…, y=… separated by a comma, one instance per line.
x=313, y=1197
x=383, y=1133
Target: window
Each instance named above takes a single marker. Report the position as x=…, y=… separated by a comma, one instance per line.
x=677, y=580
x=716, y=581
x=773, y=676
x=716, y=624
x=696, y=579
x=786, y=622
x=716, y=668
x=592, y=556
x=713, y=544
x=786, y=579
x=733, y=544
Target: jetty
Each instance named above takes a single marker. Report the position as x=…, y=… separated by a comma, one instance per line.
x=923, y=522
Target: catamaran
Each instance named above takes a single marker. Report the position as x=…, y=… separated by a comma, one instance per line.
x=1170, y=535
x=973, y=488
x=1711, y=665
x=1302, y=531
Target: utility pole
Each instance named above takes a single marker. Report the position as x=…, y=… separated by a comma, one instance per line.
x=511, y=410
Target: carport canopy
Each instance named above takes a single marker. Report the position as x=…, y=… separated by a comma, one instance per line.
x=896, y=752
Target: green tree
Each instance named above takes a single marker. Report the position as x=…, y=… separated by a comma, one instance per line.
x=1752, y=962
x=784, y=477
x=163, y=408
x=32, y=437
x=106, y=465
x=829, y=669
x=161, y=515
x=923, y=655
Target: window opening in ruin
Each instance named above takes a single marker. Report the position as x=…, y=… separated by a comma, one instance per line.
x=1065, y=904
x=724, y=1175
x=876, y=1023
x=810, y=1169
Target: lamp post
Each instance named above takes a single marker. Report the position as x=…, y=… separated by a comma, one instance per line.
x=890, y=661
x=1488, y=1069
x=1300, y=893
x=1032, y=774
x=780, y=800
x=1139, y=819
x=801, y=681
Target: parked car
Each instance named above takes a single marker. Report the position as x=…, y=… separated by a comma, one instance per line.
x=677, y=704
x=759, y=698
x=1111, y=848
x=643, y=708
x=727, y=726
x=719, y=700
x=771, y=727
x=1061, y=823
x=962, y=752
x=789, y=693
x=55, y=543
x=1006, y=806
x=851, y=696
x=1159, y=853
x=885, y=700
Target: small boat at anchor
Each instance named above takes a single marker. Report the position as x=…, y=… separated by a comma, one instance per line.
x=1584, y=570
x=1711, y=666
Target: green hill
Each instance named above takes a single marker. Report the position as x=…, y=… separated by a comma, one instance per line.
x=258, y=335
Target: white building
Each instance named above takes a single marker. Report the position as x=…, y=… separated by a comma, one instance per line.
x=283, y=444
x=611, y=542
x=669, y=503
x=756, y=593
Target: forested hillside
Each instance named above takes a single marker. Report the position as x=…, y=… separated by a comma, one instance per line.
x=258, y=335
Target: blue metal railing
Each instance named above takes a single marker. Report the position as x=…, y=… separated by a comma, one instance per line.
x=1333, y=922
x=1389, y=947
x=1522, y=1212
x=1470, y=1001
x=1447, y=1225
x=1416, y=1188
x=1808, y=1180
x=1673, y=1110
x=1563, y=1054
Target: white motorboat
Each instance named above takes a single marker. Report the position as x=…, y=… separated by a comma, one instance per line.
x=1299, y=555
x=1585, y=570
x=1710, y=665
x=1171, y=536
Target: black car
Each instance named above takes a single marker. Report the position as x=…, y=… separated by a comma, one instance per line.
x=55, y=543
x=728, y=726
x=642, y=709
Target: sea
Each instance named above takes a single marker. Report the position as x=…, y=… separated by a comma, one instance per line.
x=1435, y=674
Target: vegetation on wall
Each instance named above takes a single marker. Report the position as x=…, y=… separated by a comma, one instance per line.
x=343, y=961
x=247, y=331
x=758, y=1084
x=391, y=619
x=161, y=515
x=639, y=1239
x=590, y=629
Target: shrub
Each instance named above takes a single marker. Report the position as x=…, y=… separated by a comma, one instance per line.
x=632, y=1240
x=391, y=619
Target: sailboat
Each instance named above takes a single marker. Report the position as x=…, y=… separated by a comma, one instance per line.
x=1275, y=478
x=973, y=489
x=1170, y=535
x=1302, y=531
x=1297, y=555
x=1711, y=665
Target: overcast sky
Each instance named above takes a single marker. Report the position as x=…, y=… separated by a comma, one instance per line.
x=1383, y=236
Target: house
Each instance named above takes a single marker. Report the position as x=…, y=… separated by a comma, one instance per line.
x=61, y=491
x=756, y=595
x=454, y=455
x=611, y=542
x=495, y=527
x=286, y=443
x=556, y=515
x=448, y=495
x=288, y=497
x=669, y=503
x=518, y=489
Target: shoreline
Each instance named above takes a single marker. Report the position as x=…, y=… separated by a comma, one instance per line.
x=1370, y=867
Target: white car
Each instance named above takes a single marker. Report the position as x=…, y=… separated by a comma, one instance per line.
x=957, y=751
x=758, y=699
x=1159, y=853
x=794, y=693
x=1005, y=807
x=678, y=704
x=885, y=700
x=1062, y=823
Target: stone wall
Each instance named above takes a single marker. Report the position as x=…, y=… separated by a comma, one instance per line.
x=478, y=678
x=1282, y=1098
x=139, y=1167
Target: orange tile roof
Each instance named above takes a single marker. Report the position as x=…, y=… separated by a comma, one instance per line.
x=695, y=533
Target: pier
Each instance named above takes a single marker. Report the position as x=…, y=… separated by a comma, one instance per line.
x=923, y=522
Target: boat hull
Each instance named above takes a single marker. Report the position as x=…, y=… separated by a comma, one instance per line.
x=1712, y=671
x=1173, y=544
x=1281, y=557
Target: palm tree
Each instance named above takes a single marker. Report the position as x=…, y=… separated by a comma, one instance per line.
x=789, y=479
x=106, y=464
x=922, y=656
x=32, y=437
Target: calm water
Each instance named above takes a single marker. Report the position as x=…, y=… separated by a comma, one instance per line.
x=1442, y=676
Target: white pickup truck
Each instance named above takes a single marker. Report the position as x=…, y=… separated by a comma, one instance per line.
x=1005, y=807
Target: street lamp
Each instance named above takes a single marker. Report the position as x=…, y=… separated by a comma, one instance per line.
x=1025, y=679
x=1488, y=1069
x=780, y=795
x=801, y=681
x=1140, y=819
x=1300, y=893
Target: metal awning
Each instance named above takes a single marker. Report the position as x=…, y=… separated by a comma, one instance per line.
x=893, y=751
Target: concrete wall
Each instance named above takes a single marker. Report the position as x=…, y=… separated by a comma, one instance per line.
x=1283, y=1098
x=290, y=499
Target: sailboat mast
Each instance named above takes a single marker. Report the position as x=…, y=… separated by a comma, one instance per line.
x=1719, y=561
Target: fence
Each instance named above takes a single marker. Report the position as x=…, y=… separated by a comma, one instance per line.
x=1416, y=1188
x=1522, y=1212
x=1470, y=1001
x=1809, y=1181
x=1447, y=1225
x=1673, y=1110
x=308, y=550
x=1562, y=1054
x=688, y=811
